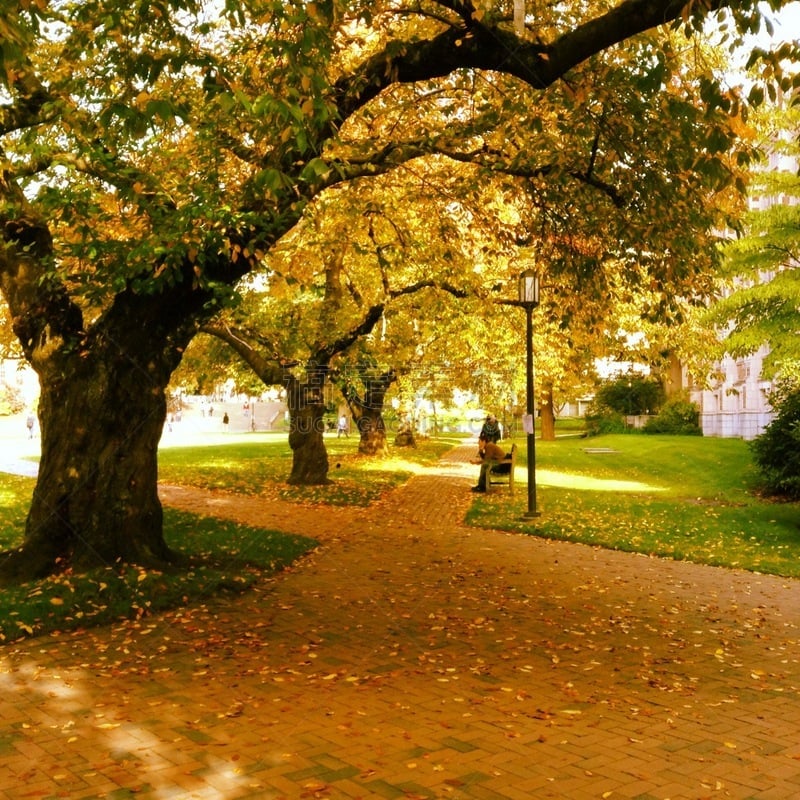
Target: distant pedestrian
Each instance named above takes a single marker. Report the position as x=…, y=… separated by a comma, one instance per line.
x=30, y=422
x=342, y=428
x=225, y=421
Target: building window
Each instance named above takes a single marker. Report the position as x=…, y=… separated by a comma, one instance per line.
x=742, y=371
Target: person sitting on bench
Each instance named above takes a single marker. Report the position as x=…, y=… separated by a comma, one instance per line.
x=488, y=455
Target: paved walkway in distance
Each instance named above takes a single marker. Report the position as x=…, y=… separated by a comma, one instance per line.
x=412, y=657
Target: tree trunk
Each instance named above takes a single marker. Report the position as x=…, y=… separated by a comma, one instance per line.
x=372, y=431
x=96, y=499
x=307, y=426
x=304, y=399
x=548, y=415
x=101, y=414
x=368, y=412
x=673, y=377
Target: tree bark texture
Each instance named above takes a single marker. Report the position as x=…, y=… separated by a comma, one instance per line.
x=101, y=412
x=307, y=426
x=372, y=432
x=368, y=412
x=96, y=499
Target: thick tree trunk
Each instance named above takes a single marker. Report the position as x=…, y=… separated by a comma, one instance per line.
x=96, y=499
x=368, y=412
x=101, y=415
x=307, y=425
x=372, y=432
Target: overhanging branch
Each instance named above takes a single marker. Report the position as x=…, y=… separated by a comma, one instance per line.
x=489, y=47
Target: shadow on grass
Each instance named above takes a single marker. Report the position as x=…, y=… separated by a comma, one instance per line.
x=215, y=557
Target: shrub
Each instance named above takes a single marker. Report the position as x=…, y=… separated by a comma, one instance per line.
x=604, y=420
x=776, y=452
x=621, y=397
x=678, y=417
x=629, y=395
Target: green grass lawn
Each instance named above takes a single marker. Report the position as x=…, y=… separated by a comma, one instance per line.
x=221, y=556
x=679, y=497
x=258, y=464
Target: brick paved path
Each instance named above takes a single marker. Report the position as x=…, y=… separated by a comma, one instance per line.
x=413, y=657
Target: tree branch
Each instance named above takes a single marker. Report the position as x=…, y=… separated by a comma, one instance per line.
x=429, y=284
x=393, y=155
x=488, y=47
x=270, y=371
x=375, y=312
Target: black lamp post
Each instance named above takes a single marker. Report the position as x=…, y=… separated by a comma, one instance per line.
x=529, y=299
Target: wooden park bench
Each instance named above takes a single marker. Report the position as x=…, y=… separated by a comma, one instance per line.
x=502, y=472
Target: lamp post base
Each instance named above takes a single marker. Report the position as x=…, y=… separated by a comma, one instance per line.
x=531, y=514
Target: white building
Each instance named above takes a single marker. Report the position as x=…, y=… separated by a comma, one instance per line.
x=736, y=404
